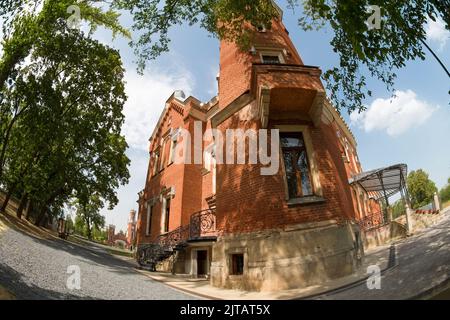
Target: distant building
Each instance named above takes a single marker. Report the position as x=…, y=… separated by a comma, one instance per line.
x=125, y=240
x=131, y=229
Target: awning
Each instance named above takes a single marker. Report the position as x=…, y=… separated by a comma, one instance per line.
x=384, y=182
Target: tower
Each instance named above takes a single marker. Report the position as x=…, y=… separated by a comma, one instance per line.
x=268, y=45
x=111, y=233
x=131, y=228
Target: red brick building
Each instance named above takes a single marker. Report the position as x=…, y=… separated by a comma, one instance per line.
x=127, y=239
x=228, y=221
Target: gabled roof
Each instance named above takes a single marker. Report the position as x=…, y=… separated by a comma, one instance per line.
x=176, y=98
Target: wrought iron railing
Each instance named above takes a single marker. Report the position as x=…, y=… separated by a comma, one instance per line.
x=202, y=224
x=173, y=238
x=373, y=221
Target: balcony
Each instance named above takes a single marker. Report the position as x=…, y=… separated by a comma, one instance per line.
x=202, y=227
x=286, y=90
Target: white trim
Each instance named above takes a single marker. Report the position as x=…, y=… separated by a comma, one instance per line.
x=272, y=53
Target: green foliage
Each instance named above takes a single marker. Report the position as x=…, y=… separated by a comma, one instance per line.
x=88, y=215
x=445, y=192
x=398, y=209
x=379, y=52
x=61, y=114
x=421, y=188
x=362, y=52
x=376, y=53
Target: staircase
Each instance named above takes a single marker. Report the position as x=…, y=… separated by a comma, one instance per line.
x=202, y=225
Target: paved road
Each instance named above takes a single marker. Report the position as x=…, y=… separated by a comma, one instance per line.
x=37, y=269
x=33, y=268
x=421, y=263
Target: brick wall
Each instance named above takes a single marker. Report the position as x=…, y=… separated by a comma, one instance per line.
x=235, y=65
x=248, y=201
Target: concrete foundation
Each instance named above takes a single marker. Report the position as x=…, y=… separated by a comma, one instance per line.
x=301, y=256
x=383, y=235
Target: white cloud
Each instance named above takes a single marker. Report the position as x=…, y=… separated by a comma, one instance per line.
x=437, y=33
x=214, y=88
x=395, y=115
x=147, y=95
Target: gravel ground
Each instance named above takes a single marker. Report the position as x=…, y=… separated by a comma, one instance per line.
x=33, y=268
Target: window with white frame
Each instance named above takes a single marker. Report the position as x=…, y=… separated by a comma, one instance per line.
x=272, y=57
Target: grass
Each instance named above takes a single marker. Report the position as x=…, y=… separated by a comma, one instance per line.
x=446, y=204
x=111, y=250
x=116, y=252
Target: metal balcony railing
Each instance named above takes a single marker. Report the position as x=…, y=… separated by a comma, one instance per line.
x=202, y=225
x=373, y=221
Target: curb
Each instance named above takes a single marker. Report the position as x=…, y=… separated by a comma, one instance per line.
x=183, y=290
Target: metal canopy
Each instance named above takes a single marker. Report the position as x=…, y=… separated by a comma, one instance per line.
x=384, y=182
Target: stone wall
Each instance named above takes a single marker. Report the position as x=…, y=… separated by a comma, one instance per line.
x=383, y=235
x=297, y=257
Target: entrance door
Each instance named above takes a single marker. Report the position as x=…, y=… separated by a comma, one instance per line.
x=202, y=263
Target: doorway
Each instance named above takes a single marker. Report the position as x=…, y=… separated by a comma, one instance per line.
x=202, y=263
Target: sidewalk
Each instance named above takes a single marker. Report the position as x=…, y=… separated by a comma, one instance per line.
x=384, y=257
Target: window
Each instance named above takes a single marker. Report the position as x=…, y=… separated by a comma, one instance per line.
x=155, y=163
x=149, y=219
x=237, y=264
x=296, y=165
x=271, y=58
x=166, y=215
x=173, y=146
x=163, y=156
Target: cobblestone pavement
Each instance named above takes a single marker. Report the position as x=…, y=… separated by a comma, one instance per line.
x=32, y=268
x=421, y=263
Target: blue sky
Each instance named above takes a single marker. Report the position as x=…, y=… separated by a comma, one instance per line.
x=414, y=128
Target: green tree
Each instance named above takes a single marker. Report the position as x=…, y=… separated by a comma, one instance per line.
x=80, y=226
x=67, y=143
x=421, y=188
x=445, y=192
x=89, y=213
x=362, y=52
x=99, y=234
x=70, y=224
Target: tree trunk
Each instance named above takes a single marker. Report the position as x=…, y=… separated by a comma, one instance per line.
x=23, y=202
x=5, y=146
x=89, y=233
x=41, y=215
x=88, y=225
x=7, y=198
x=29, y=209
x=46, y=205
